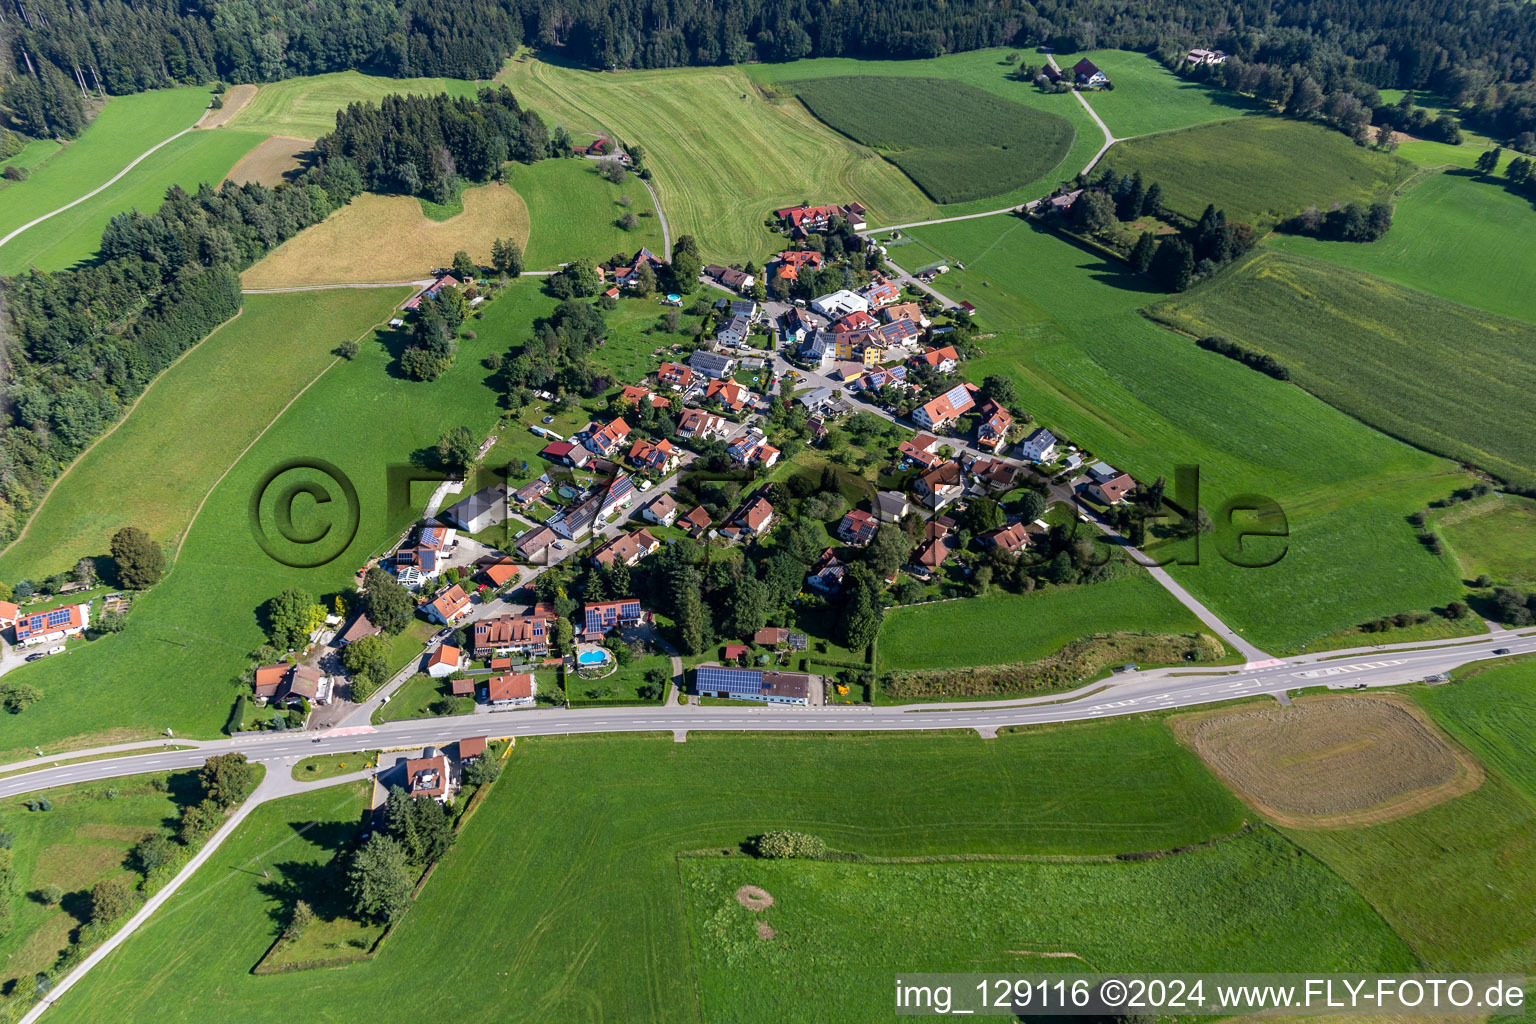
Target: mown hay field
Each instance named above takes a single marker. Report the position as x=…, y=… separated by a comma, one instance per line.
x=231, y=102
x=272, y=162
x=932, y=128
x=1329, y=761
x=1493, y=536
x=1006, y=628
x=563, y=895
x=574, y=212
x=723, y=157
x=1448, y=378
x=1260, y=170
x=843, y=931
x=306, y=107
x=388, y=238
x=1442, y=234
x=190, y=425
x=1089, y=366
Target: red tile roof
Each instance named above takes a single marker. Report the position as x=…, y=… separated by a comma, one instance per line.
x=509, y=687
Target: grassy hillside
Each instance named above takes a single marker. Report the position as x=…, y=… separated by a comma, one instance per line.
x=187, y=639
x=1443, y=376
x=75, y=234
x=306, y=107
x=1443, y=235
x=1494, y=535
x=562, y=895
x=1250, y=901
x=573, y=211
x=1090, y=367
x=1250, y=168
x=125, y=127
x=927, y=127
x=722, y=156
x=1024, y=627
x=1147, y=97
x=190, y=425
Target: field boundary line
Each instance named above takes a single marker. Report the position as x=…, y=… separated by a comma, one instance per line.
x=187, y=530
x=109, y=182
x=38, y=508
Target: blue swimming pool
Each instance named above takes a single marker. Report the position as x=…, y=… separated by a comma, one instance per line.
x=591, y=657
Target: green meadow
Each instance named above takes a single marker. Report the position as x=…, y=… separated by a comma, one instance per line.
x=1149, y=98
x=1493, y=536
x=191, y=424
x=1088, y=366
x=574, y=212
x=188, y=638
x=1025, y=627
x=306, y=107
x=75, y=235
x=1442, y=234
x=1248, y=167
x=1440, y=375
x=562, y=899
x=843, y=931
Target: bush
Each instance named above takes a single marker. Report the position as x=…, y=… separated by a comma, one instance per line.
x=348, y=349
x=1260, y=361
x=783, y=844
x=51, y=894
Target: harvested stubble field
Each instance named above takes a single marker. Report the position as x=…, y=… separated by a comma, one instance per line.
x=271, y=162
x=389, y=238
x=928, y=128
x=1330, y=762
x=233, y=101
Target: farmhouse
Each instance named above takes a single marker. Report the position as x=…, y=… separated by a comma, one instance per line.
x=430, y=291
x=481, y=510
x=603, y=617
x=355, y=630
x=945, y=409
x=52, y=626
x=627, y=548
x=448, y=606
x=289, y=684
x=712, y=364
x=839, y=304
x=749, y=684
x=1087, y=75
x=536, y=544
x=511, y=690
x=802, y=220
x=662, y=511
x=515, y=634
x=444, y=661
x=675, y=374
x=1039, y=446
x=1200, y=58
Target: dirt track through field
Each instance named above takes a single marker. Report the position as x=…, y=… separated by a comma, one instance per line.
x=1329, y=762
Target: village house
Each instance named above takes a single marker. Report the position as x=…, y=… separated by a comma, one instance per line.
x=857, y=528
x=472, y=748
x=577, y=521
x=992, y=432
x=944, y=410
x=880, y=292
x=732, y=278
x=1200, y=58
x=605, y=439
x=800, y=221
x=537, y=544
x=429, y=777
x=628, y=276
x=1013, y=539
x=944, y=360
x=502, y=635
x=705, y=426
x=603, y=617
x=289, y=684
x=865, y=345
x=819, y=348
x=1039, y=446
x=444, y=661
x=892, y=506
x=427, y=553
x=355, y=630
x=696, y=521
x=858, y=320
x=430, y=291
x=752, y=450
x=827, y=574
x=876, y=380
x=661, y=511
x=992, y=475
x=731, y=396
x=480, y=511
x=676, y=375
x=823, y=402
x=901, y=333
x=933, y=550
x=753, y=519
x=627, y=548
x=750, y=684
x=789, y=263
x=1113, y=490
x=654, y=456
x=9, y=612
x=511, y=690
x=940, y=485
x=499, y=573
x=712, y=364
x=1088, y=76
x=734, y=331
x=447, y=608
x=566, y=453
x=909, y=311
x=533, y=491
x=921, y=450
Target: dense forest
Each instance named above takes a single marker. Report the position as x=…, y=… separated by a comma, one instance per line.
x=76, y=346
x=1478, y=53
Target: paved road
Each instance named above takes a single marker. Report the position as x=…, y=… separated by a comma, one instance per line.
x=1128, y=694
x=108, y=183
x=1109, y=138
